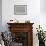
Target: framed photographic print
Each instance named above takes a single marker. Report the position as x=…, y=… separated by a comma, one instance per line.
x=20, y=9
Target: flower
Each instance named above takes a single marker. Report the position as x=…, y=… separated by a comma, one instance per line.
x=40, y=33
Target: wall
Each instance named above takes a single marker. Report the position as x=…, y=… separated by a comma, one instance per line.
x=43, y=6
x=33, y=11
x=43, y=14
x=33, y=14
x=0, y=15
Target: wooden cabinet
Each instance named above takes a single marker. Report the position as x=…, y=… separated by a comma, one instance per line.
x=22, y=33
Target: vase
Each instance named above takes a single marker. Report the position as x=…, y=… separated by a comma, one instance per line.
x=41, y=43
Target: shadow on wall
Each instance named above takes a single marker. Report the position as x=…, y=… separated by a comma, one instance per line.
x=43, y=6
x=0, y=15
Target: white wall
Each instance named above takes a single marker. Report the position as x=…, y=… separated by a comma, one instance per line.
x=43, y=14
x=33, y=14
x=33, y=10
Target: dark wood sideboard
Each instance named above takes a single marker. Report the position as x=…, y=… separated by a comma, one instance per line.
x=22, y=33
